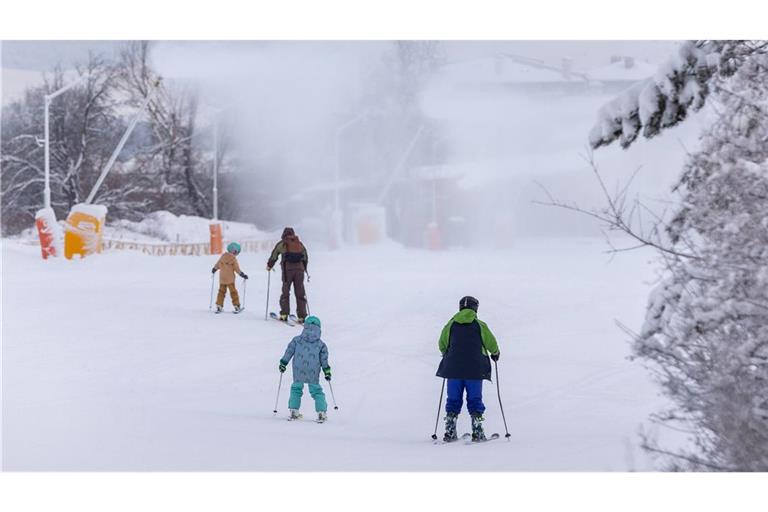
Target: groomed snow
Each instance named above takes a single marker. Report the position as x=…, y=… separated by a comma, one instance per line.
x=115, y=362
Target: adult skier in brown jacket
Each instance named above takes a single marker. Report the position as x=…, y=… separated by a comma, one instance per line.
x=293, y=262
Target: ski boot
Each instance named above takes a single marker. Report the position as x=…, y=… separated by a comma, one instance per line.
x=295, y=414
x=219, y=309
x=300, y=320
x=477, y=428
x=450, y=427
x=283, y=318
x=238, y=309
x=322, y=417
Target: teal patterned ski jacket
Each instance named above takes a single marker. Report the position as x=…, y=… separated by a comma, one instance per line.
x=309, y=355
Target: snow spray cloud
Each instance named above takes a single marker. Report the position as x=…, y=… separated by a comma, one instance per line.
x=281, y=100
x=516, y=117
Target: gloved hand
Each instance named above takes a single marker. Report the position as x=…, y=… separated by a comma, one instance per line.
x=243, y=275
x=269, y=268
x=495, y=356
x=213, y=270
x=282, y=367
x=327, y=372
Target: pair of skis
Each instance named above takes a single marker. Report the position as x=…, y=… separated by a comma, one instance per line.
x=301, y=416
x=233, y=312
x=467, y=438
x=292, y=320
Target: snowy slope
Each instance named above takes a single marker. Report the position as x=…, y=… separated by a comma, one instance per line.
x=115, y=363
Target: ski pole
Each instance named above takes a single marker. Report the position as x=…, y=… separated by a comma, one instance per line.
x=266, y=309
x=279, y=385
x=333, y=397
x=498, y=393
x=210, y=304
x=245, y=283
x=439, y=405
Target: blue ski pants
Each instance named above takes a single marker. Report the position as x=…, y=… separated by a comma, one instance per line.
x=315, y=391
x=474, y=389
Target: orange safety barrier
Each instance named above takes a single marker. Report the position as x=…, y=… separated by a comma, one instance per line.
x=216, y=240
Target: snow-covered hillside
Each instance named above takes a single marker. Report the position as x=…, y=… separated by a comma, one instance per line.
x=115, y=362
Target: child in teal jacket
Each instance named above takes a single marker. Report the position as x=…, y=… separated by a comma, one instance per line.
x=310, y=355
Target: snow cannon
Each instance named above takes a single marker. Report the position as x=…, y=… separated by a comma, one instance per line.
x=216, y=238
x=83, y=230
x=50, y=233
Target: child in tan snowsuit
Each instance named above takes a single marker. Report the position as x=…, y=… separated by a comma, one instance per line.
x=229, y=267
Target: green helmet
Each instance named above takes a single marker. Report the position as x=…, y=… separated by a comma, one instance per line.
x=233, y=247
x=310, y=320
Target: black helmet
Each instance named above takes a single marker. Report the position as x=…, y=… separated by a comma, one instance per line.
x=468, y=302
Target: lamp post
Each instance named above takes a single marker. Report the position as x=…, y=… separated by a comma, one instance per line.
x=215, y=170
x=215, y=228
x=48, y=99
x=336, y=219
x=45, y=219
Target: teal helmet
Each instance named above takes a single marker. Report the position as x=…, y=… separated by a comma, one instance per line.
x=233, y=247
x=312, y=320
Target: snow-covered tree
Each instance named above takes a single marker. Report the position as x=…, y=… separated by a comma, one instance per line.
x=706, y=329
x=680, y=86
x=171, y=161
x=83, y=130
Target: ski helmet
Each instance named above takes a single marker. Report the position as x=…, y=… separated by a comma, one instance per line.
x=233, y=247
x=312, y=320
x=469, y=302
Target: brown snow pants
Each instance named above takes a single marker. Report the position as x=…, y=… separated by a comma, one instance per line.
x=232, y=294
x=293, y=277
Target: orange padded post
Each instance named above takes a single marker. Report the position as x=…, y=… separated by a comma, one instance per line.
x=216, y=239
x=47, y=237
